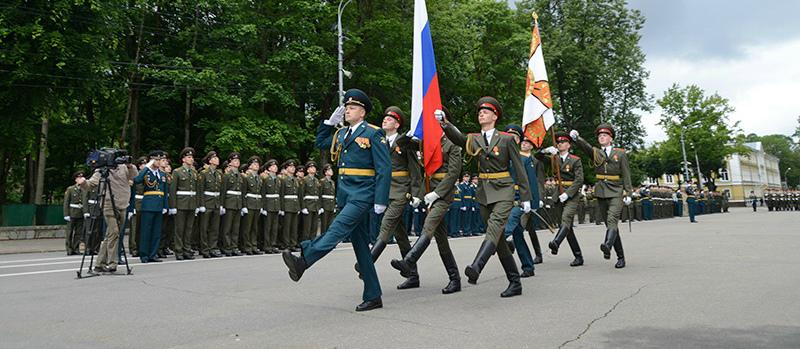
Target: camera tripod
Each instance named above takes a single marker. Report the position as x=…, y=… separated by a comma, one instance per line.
x=103, y=188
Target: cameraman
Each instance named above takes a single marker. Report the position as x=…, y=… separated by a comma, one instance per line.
x=119, y=183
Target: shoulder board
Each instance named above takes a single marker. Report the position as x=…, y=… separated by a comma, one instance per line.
x=574, y=157
x=620, y=149
x=473, y=134
x=373, y=126
x=504, y=133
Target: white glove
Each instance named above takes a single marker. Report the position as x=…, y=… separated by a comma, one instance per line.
x=150, y=163
x=304, y=211
x=541, y=203
x=321, y=210
x=281, y=213
x=430, y=198
x=627, y=200
x=263, y=212
x=548, y=206
x=243, y=211
x=130, y=214
x=473, y=209
x=221, y=211
x=86, y=215
x=563, y=197
x=416, y=210
x=464, y=208
x=415, y=202
x=410, y=134
x=574, y=135
x=134, y=211
x=196, y=211
x=550, y=150
x=66, y=218
x=379, y=208
x=201, y=209
x=526, y=206
x=164, y=211
x=336, y=116
x=173, y=211
x=439, y=115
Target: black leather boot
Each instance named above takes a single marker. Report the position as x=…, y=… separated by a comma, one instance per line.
x=537, y=248
x=576, y=249
x=375, y=251
x=562, y=233
x=512, y=274
x=611, y=238
x=409, y=262
x=473, y=270
x=620, y=254
x=370, y=305
x=297, y=265
x=450, y=265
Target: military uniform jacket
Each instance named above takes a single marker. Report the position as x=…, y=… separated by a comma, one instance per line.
x=570, y=169
x=328, y=191
x=535, y=171
x=251, y=191
x=209, y=185
x=365, y=166
x=183, y=189
x=311, y=199
x=495, y=161
x=290, y=194
x=91, y=201
x=406, y=173
x=270, y=188
x=450, y=170
x=155, y=189
x=231, y=193
x=612, y=171
x=73, y=202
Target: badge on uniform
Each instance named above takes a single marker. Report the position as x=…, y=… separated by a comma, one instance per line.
x=616, y=157
x=397, y=149
x=363, y=142
x=496, y=150
x=566, y=168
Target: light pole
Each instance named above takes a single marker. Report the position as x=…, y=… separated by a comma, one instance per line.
x=683, y=150
x=699, y=174
x=786, y=179
x=342, y=5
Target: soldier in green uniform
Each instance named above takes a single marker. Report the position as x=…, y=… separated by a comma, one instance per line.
x=613, y=183
x=270, y=189
x=496, y=153
x=168, y=220
x=183, y=198
x=231, y=198
x=290, y=193
x=591, y=203
x=252, y=207
x=570, y=169
x=442, y=191
x=582, y=206
x=328, y=191
x=405, y=188
x=312, y=204
x=73, y=214
x=209, y=184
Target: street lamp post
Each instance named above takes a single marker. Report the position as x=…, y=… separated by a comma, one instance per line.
x=342, y=5
x=786, y=179
x=685, y=163
x=699, y=174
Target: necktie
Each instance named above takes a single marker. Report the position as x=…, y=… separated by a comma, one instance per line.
x=347, y=136
x=486, y=139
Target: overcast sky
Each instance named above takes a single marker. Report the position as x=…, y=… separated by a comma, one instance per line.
x=745, y=50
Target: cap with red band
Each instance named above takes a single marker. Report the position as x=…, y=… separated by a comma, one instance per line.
x=490, y=103
x=395, y=113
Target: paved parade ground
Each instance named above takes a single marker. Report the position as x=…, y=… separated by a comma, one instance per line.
x=731, y=281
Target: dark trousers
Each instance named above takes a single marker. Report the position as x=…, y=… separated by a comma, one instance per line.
x=150, y=235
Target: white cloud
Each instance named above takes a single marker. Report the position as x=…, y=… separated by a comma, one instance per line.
x=763, y=85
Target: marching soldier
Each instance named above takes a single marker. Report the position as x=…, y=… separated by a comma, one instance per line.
x=328, y=191
x=209, y=185
x=613, y=183
x=154, y=206
x=231, y=199
x=496, y=153
x=270, y=188
x=311, y=202
x=405, y=189
x=569, y=167
x=442, y=191
x=73, y=214
x=365, y=170
x=183, y=198
x=290, y=193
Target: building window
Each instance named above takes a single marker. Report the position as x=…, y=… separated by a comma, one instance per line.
x=670, y=179
x=651, y=180
x=723, y=174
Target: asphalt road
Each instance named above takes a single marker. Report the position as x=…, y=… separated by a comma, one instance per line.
x=730, y=281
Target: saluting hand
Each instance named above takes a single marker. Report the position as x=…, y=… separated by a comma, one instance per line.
x=336, y=117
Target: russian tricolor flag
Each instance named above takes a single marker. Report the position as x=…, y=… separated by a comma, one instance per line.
x=425, y=97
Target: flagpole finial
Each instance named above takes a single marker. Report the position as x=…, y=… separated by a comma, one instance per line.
x=535, y=16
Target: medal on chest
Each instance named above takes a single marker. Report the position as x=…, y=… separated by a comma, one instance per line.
x=363, y=142
x=397, y=150
x=566, y=168
x=616, y=157
x=496, y=151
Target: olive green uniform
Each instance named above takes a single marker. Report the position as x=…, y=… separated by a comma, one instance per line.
x=290, y=194
x=312, y=204
x=253, y=201
x=183, y=197
x=270, y=188
x=73, y=208
x=231, y=198
x=328, y=190
x=209, y=185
